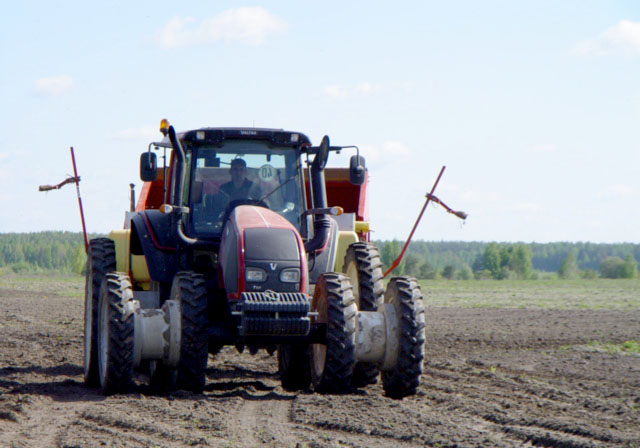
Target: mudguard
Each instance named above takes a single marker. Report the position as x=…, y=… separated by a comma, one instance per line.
x=325, y=261
x=152, y=237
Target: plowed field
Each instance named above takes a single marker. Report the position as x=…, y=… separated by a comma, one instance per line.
x=503, y=377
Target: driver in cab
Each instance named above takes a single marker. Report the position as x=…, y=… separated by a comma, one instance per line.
x=239, y=187
x=239, y=190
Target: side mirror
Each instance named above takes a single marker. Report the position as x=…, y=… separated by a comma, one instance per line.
x=148, y=166
x=357, y=170
x=322, y=154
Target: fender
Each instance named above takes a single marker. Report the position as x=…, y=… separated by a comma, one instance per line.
x=152, y=237
x=325, y=260
x=258, y=237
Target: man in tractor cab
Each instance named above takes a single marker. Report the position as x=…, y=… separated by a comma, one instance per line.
x=239, y=187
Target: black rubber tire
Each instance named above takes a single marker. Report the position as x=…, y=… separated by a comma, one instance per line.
x=162, y=378
x=405, y=295
x=115, y=334
x=101, y=260
x=189, y=290
x=294, y=366
x=332, y=363
x=363, y=266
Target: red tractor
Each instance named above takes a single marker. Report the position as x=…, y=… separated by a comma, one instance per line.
x=244, y=238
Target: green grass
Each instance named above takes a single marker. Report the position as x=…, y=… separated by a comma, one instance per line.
x=70, y=285
x=625, y=347
x=619, y=294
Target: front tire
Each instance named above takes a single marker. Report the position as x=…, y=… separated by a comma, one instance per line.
x=115, y=334
x=332, y=363
x=363, y=266
x=101, y=260
x=405, y=295
x=189, y=290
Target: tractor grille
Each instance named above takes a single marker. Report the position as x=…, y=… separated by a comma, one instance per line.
x=272, y=313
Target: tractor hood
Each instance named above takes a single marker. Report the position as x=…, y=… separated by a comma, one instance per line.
x=261, y=251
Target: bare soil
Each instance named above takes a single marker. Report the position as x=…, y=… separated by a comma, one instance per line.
x=493, y=377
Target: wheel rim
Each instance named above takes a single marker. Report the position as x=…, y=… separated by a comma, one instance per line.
x=88, y=317
x=88, y=331
x=319, y=351
x=352, y=273
x=103, y=339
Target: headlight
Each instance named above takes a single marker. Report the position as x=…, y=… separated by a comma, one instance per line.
x=255, y=275
x=290, y=275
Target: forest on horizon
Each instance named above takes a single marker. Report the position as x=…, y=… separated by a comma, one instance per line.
x=64, y=252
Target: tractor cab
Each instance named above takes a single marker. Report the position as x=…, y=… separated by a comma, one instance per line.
x=227, y=167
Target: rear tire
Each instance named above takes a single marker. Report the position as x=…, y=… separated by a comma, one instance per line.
x=405, y=295
x=101, y=260
x=294, y=366
x=363, y=266
x=189, y=290
x=332, y=363
x=115, y=334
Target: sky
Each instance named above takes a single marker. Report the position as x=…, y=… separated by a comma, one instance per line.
x=533, y=107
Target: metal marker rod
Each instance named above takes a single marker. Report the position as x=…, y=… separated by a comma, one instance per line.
x=397, y=261
x=77, y=179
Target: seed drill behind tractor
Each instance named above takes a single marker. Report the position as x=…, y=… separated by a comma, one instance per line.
x=288, y=268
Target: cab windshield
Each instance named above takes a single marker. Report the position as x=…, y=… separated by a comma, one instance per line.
x=241, y=172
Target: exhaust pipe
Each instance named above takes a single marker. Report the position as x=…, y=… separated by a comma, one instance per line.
x=321, y=223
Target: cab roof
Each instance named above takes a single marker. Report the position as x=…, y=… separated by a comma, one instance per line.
x=218, y=135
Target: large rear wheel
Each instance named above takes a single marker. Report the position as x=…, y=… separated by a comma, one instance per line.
x=101, y=259
x=115, y=334
x=189, y=290
x=363, y=266
x=405, y=296
x=332, y=363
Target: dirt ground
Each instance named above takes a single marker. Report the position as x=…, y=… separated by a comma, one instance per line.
x=493, y=377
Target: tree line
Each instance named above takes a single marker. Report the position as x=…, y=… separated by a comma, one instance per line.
x=42, y=251
x=466, y=260
x=64, y=252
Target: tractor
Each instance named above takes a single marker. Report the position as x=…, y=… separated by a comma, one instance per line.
x=279, y=260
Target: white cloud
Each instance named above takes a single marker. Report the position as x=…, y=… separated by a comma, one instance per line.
x=336, y=92
x=54, y=85
x=340, y=92
x=246, y=25
x=146, y=132
x=366, y=88
x=623, y=37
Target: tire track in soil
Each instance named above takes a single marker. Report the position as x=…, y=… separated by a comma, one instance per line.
x=263, y=420
x=136, y=420
x=35, y=385
x=532, y=411
x=41, y=424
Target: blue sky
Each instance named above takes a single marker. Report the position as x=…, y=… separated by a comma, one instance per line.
x=534, y=107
